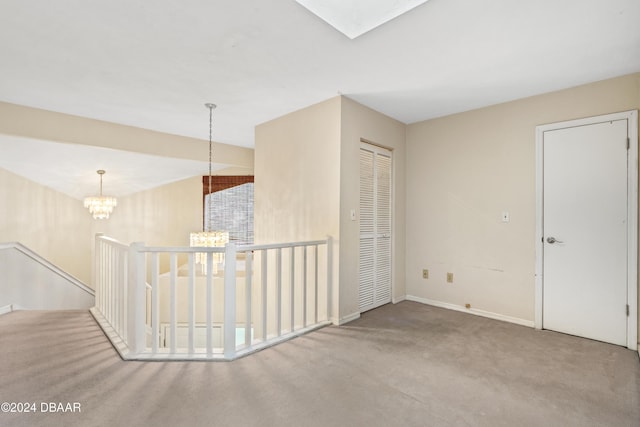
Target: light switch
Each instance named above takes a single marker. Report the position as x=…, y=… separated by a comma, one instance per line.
x=505, y=216
x=353, y=214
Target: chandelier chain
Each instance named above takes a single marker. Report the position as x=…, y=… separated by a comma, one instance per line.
x=210, y=107
x=207, y=237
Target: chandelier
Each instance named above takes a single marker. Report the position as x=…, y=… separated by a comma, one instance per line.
x=207, y=237
x=100, y=206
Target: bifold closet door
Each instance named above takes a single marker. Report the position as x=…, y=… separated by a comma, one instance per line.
x=375, y=226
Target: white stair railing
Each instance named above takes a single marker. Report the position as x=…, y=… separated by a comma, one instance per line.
x=161, y=303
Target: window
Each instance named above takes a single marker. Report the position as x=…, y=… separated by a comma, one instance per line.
x=229, y=207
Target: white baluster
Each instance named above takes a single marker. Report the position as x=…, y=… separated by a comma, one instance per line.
x=230, y=301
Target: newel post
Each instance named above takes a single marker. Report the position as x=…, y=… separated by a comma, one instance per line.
x=230, y=301
x=136, y=307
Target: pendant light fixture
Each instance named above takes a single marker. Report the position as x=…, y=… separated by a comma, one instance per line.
x=207, y=237
x=100, y=206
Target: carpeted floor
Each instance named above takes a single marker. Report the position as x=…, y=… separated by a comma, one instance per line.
x=399, y=365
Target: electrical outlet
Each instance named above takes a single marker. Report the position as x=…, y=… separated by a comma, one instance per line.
x=449, y=277
x=425, y=274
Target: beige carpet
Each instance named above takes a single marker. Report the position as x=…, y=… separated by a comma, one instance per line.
x=400, y=365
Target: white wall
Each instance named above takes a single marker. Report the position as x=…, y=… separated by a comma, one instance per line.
x=26, y=283
x=463, y=171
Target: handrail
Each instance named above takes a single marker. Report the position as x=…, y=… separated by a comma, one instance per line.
x=113, y=241
x=52, y=267
x=280, y=245
x=273, y=293
x=180, y=249
x=220, y=249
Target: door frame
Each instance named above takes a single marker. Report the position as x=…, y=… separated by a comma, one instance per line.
x=632, y=216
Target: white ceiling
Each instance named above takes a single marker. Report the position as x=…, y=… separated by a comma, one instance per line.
x=154, y=64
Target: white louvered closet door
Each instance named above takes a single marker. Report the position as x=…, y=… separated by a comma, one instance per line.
x=375, y=227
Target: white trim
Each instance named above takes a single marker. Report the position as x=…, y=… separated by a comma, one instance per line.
x=474, y=311
x=397, y=300
x=632, y=215
x=349, y=318
x=537, y=312
x=6, y=309
x=632, y=241
x=116, y=341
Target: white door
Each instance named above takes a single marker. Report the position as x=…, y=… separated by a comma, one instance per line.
x=584, y=231
x=375, y=227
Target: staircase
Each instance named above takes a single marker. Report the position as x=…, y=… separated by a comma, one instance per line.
x=30, y=282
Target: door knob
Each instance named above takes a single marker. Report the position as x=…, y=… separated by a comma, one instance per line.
x=553, y=240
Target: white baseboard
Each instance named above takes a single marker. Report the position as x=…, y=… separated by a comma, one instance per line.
x=6, y=309
x=116, y=341
x=348, y=318
x=475, y=311
x=399, y=299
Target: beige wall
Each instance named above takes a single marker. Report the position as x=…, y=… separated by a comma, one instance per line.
x=360, y=122
x=297, y=178
x=297, y=175
x=61, y=230
x=463, y=171
x=52, y=224
x=163, y=216
x=307, y=182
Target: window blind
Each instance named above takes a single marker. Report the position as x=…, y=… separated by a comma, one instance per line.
x=229, y=207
